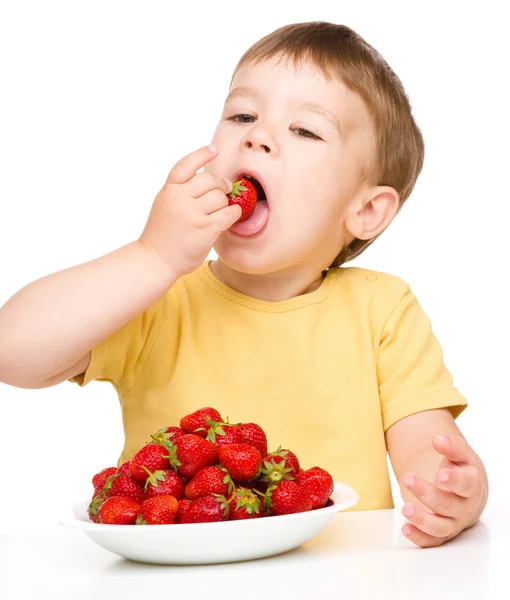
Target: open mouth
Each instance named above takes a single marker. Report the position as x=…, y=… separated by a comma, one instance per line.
x=261, y=194
x=258, y=220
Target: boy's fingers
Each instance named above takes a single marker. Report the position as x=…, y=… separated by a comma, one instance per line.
x=435, y=525
x=205, y=182
x=441, y=502
x=455, y=448
x=186, y=167
x=421, y=539
x=461, y=480
x=226, y=217
x=213, y=201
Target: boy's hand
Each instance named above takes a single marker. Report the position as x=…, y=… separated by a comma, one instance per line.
x=455, y=499
x=189, y=214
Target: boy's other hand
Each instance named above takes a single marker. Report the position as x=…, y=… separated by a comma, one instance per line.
x=454, y=499
x=189, y=214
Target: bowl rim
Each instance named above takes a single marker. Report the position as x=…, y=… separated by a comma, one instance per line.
x=343, y=495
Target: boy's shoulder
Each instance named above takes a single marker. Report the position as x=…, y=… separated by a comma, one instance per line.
x=374, y=294
x=379, y=279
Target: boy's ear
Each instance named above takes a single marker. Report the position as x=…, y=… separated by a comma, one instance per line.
x=373, y=213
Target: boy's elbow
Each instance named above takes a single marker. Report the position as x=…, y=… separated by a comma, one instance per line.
x=9, y=375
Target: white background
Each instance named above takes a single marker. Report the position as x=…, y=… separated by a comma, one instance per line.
x=100, y=99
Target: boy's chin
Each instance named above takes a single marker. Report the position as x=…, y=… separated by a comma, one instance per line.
x=246, y=260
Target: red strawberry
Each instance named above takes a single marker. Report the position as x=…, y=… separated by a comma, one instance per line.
x=95, y=505
x=207, y=509
x=255, y=436
x=225, y=434
x=243, y=193
x=184, y=504
x=100, y=478
x=241, y=460
x=318, y=483
x=152, y=457
x=125, y=468
x=164, y=483
x=246, y=505
x=159, y=510
x=99, y=496
x=190, y=453
x=126, y=486
x=220, y=432
x=198, y=421
x=119, y=511
x=278, y=465
x=286, y=497
x=167, y=434
x=209, y=480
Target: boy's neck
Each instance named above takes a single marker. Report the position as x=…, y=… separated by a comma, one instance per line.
x=271, y=287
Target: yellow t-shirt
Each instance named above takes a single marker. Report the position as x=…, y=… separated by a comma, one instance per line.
x=325, y=374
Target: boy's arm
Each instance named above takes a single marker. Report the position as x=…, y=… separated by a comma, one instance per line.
x=49, y=327
x=419, y=460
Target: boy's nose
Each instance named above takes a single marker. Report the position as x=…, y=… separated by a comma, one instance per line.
x=259, y=138
x=265, y=147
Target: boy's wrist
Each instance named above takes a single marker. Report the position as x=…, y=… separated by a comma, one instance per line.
x=164, y=272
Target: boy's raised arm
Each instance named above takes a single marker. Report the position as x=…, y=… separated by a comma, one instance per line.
x=49, y=327
x=53, y=323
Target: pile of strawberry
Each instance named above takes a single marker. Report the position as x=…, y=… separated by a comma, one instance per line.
x=203, y=471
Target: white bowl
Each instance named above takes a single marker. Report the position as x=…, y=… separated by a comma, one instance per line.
x=209, y=543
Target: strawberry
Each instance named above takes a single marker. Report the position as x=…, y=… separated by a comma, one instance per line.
x=318, y=483
x=222, y=433
x=164, y=483
x=125, y=468
x=207, y=509
x=184, y=504
x=278, y=465
x=99, y=496
x=159, y=510
x=242, y=461
x=255, y=436
x=167, y=434
x=100, y=478
x=152, y=457
x=243, y=193
x=190, y=453
x=198, y=421
x=287, y=497
x=209, y=480
x=126, y=486
x=119, y=511
x=95, y=504
x=246, y=505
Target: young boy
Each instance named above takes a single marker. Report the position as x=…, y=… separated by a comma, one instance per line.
x=339, y=364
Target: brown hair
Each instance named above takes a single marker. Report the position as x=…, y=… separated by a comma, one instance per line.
x=339, y=52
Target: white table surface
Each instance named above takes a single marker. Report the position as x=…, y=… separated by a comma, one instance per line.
x=358, y=555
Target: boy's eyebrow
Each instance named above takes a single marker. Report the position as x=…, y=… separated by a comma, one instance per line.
x=309, y=106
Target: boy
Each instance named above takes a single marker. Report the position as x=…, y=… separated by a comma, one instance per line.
x=338, y=364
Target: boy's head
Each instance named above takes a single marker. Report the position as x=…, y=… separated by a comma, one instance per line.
x=322, y=118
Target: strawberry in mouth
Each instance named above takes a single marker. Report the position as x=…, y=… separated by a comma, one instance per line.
x=249, y=193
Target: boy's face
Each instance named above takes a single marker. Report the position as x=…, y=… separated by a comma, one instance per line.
x=312, y=184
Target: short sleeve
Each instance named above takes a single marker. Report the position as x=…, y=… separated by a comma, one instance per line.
x=411, y=373
x=120, y=358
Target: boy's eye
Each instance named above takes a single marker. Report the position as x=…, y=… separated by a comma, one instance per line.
x=305, y=132
x=235, y=117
